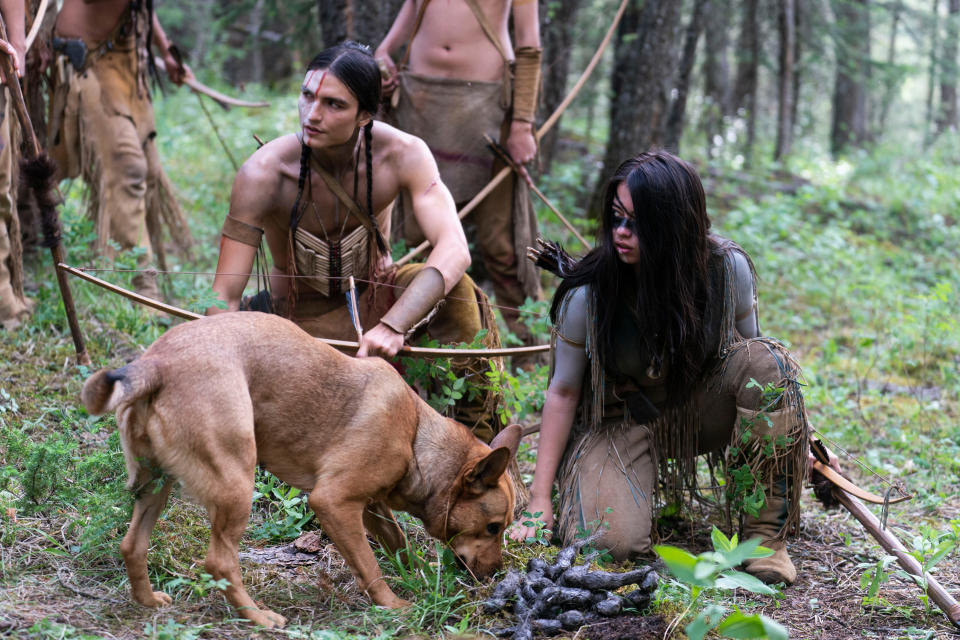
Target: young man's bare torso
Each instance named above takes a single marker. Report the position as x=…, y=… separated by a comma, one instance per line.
x=90, y=21
x=451, y=44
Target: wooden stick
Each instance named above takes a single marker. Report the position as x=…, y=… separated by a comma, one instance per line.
x=894, y=547
x=542, y=131
x=343, y=345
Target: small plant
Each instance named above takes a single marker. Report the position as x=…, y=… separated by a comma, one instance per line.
x=715, y=571
x=433, y=579
x=200, y=587
x=173, y=630
x=47, y=629
x=875, y=576
x=202, y=298
x=541, y=533
x=586, y=530
x=287, y=511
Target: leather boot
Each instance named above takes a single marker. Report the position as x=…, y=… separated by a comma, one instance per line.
x=773, y=569
x=768, y=524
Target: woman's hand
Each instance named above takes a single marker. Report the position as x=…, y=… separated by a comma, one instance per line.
x=520, y=531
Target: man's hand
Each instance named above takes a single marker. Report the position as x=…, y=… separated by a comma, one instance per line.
x=522, y=146
x=380, y=341
x=388, y=73
x=16, y=57
x=177, y=73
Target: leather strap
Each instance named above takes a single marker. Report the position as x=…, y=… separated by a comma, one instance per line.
x=342, y=196
x=488, y=30
x=241, y=231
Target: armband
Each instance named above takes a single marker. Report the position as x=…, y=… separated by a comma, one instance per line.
x=241, y=231
x=417, y=301
x=526, y=83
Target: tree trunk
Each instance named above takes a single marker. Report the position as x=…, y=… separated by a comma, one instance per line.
x=716, y=68
x=852, y=45
x=371, y=19
x=643, y=73
x=932, y=74
x=745, y=87
x=254, y=26
x=675, y=121
x=800, y=31
x=557, y=20
x=891, y=77
x=333, y=21
x=785, y=19
x=948, y=72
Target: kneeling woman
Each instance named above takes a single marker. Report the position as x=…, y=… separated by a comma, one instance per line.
x=658, y=359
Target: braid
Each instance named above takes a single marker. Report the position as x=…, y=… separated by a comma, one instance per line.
x=368, y=152
x=294, y=223
x=301, y=182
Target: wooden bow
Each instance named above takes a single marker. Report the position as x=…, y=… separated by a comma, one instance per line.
x=224, y=101
x=343, y=345
x=37, y=21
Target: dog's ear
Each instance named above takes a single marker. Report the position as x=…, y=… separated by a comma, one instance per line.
x=486, y=473
x=509, y=438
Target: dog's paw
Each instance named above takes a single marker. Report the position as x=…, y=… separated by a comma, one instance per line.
x=397, y=603
x=267, y=619
x=158, y=599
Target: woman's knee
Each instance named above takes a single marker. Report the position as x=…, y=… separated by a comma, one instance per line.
x=757, y=372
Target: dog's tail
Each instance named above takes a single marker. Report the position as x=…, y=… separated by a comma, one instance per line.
x=102, y=393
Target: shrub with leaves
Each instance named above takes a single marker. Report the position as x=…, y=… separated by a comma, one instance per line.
x=714, y=571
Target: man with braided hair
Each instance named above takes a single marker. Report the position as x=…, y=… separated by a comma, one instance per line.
x=459, y=79
x=322, y=199
x=102, y=125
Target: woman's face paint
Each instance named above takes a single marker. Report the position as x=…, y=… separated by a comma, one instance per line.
x=328, y=110
x=624, y=234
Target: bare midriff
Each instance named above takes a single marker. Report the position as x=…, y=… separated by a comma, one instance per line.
x=451, y=43
x=90, y=21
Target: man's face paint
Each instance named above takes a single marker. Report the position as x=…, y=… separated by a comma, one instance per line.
x=314, y=81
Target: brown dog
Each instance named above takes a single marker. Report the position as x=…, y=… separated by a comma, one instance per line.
x=213, y=398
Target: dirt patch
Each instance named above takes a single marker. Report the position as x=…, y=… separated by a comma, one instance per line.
x=625, y=628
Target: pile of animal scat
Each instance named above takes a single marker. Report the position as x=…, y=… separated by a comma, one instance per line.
x=552, y=598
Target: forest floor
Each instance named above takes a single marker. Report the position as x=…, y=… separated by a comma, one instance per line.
x=858, y=273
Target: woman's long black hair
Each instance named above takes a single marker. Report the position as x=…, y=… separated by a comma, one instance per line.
x=667, y=291
x=355, y=67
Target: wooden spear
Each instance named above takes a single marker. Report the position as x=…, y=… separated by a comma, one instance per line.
x=880, y=533
x=894, y=547
x=40, y=171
